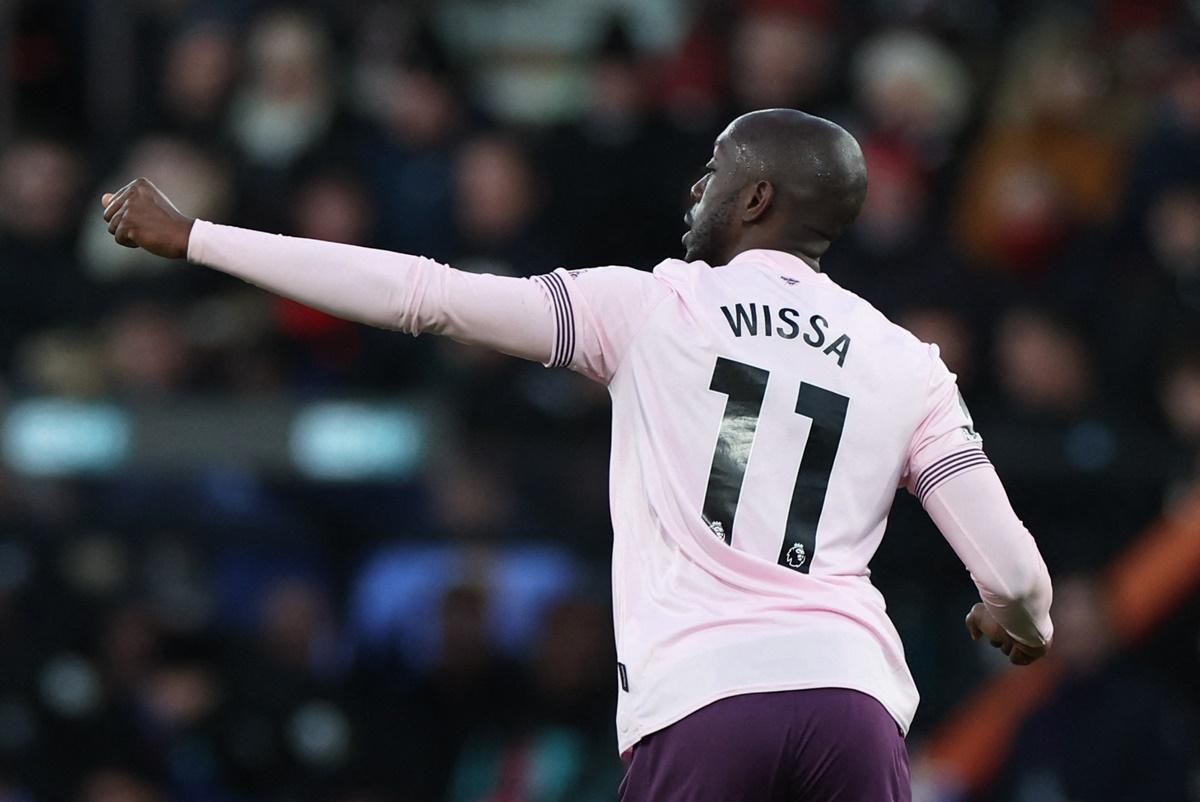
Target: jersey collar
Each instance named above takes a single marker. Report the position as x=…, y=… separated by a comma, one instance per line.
x=794, y=266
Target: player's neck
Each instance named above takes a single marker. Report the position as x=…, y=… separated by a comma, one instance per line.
x=803, y=254
x=803, y=242
x=813, y=262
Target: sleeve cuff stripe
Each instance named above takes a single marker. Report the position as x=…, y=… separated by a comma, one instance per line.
x=564, y=341
x=946, y=468
x=978, y=463
x=934, y=473
x=554, y=354
x=568, y=321
x=947, y=461
x=570, y=328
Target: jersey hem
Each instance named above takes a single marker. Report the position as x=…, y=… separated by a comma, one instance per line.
x=625, y=745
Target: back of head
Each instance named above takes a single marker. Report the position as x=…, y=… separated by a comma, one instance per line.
x=779, y=179
x=816, y=167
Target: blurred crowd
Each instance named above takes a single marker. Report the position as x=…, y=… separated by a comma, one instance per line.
x=1034, y=209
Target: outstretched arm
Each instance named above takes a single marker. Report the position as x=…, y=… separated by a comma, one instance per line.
x=379, y=288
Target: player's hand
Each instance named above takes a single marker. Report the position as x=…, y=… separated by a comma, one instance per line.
x=140, y=216
x=981, y=624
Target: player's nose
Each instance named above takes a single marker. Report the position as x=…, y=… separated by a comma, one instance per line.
x=698, y=189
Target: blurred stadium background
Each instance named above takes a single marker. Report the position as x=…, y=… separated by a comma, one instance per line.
x=249, y=552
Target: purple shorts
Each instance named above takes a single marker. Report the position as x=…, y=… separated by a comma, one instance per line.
x=819, y=745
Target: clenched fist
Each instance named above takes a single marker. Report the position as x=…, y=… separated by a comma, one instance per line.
x=140, y=216
x=981, y=623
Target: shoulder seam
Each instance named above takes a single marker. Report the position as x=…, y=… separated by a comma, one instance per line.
x=636, y=333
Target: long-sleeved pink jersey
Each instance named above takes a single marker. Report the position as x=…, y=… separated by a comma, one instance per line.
x=763, y=418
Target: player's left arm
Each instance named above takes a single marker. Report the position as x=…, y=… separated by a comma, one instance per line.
x=973, y=513
x=951, y=476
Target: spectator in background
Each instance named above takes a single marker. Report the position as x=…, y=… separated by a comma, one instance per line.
x=470, y=691
x=236, y=345
x=63, y=362
x=1179, y=397
x=472, y=495
x=115, y=784
x=1169, y=150
x=406, y=87
x=147, y=352
x=556, y=751
x=180, y=721
x=1174, y=229
x=572, y=668
x=781, y=56
x=497, y=201
x=915, y=94
x=296, y=634
x=1109, y=733
x=285, y=111
x=197, y=81
x=287, y=103
x=331, y=205
x=1044, y=368
x=1079, y=448
x=894, y=217
x=948, y=329
x=620, y=166
x=24, y=587
x=40, y=180
x=291, y=726
x=1152, y=292
x=129, y=640
x=893, y=255
x=1051, y=162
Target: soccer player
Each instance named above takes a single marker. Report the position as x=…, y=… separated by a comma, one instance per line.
x=763, y=418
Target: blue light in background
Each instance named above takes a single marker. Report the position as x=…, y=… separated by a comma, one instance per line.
x=346, y=441
x=51, y=437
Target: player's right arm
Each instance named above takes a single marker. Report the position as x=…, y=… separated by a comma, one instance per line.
x=529, y=318
x=952, y=478
x=584, y=320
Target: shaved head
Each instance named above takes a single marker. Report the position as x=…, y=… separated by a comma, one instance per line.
x=816, y=164
x=779, y=179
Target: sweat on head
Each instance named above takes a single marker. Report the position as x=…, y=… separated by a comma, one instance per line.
x=779, y=179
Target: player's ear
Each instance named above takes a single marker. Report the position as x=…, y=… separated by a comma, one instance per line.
x=761, y=197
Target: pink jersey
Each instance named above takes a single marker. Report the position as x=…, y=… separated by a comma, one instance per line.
x=763, y=418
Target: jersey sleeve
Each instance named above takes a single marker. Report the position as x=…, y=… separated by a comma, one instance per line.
x=945, y=443
x=973, y=513
x=951, y=476
x=597, y=314
x=389, y=290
